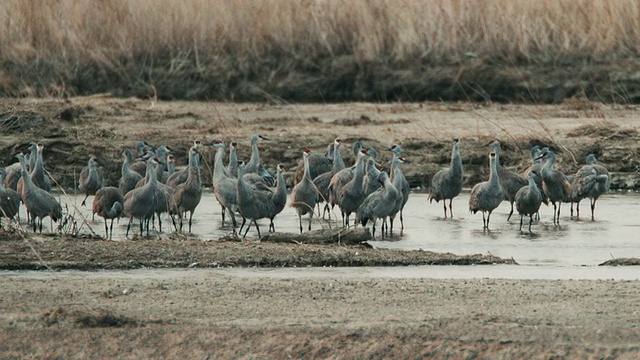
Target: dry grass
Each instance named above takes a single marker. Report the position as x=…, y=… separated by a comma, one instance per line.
x=317, y=49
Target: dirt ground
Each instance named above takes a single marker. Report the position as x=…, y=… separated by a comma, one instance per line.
x=210, y=313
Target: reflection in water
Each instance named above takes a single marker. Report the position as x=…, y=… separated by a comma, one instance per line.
x=573, y=243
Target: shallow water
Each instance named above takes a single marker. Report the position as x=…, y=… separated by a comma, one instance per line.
x=572, y=243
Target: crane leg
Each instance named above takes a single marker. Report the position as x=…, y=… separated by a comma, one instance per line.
x=255, y=222
x=223, y=211
x=593, y=208
x=300, y=222
x=520, y=222
x=510, y=212
x=488, y=218
x=530, y=221
x=444, y=205
x=310, y=219
x=450, y=208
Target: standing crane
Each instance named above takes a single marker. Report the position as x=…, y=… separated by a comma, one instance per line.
x=39, y=202
x=254, y=203
x=9, y=200
x=510, y=181
x=90, y=179
x=555, y=184
x=447, y=183
x=380, y=204
x=399, y=181
x=487, y=195
x=304, y=195
x=528, y=199
x=187, y=196
x=108, y=203
x=352, y=193
x=592, y=180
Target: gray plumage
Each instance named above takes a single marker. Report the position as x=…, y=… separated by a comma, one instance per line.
x=510, y=181
x=39, y=202
x=232, y=167
x=380, y=204
x=304, y=195
x=128, y=178
x=402, y=185
x=140, y=203
x=318, y=165
x=591, y=181
x=253, y=164
x=447, y=183
x=279, y=196
x=528, y=199
x=487, y=195
x=342, y=177
x=108, y=203
x=399, y=181
x=9, y=200
x=90, y=179
x=224, y=186
x=370, y=182
x=536, y=166
x=352, y=194
x=555, y=184
x=254, y=203
x=37, y=173
x=187, y=196
x=14, y=171
x=323, y=181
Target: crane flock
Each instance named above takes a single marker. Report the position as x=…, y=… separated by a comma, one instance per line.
x=150, y=187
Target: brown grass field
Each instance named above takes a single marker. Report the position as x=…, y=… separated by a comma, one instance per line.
x=315, y=50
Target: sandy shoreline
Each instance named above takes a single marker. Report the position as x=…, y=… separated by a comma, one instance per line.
x=223, y=316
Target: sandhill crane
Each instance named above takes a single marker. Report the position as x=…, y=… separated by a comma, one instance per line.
x=224, y=187
x=318, y=164
x=144, y=152
x=304, y=195
x=398, y=180
x=537, y=167
x=555, y=184
x=487, y=195
x=39, y=202
x=232, y=166
x=9, y=200
x=352, y=193
x=90, y=179
x=510, y=181
x=370, y=181
x=254, y=162
x=140, y=203
x=447, y=183
x=37, y=173
x=177, y=177
x=322, y=181
x=592, y=180
x=187, y=195
x=279, y=197
x=380, y=204
x=253, y=203
x=528, y=199
x=108, y=203
x=129, y=178
x=342, y=177
x=14, y=171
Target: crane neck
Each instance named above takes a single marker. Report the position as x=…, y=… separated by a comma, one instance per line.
x=358, y=173
x=456, y=160
x=338, y=162
x=307, y=170
x=493, y=176
x=252, y=166
x=218, y=166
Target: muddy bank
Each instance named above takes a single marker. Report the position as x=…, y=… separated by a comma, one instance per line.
x=58, y=252
x=74, y=129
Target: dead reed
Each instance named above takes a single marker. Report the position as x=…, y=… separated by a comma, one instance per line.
x=321, y=50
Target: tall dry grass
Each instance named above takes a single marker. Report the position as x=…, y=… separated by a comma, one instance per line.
x=259, y=48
